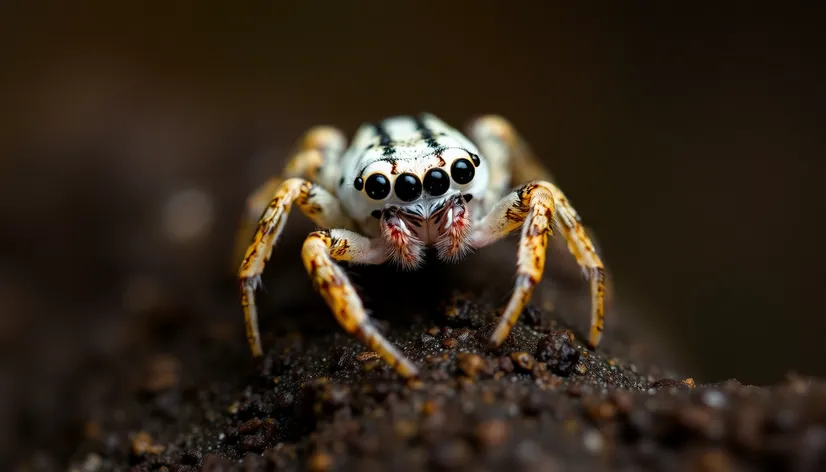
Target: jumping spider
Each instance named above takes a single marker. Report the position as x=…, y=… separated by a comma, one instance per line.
x=404, y=184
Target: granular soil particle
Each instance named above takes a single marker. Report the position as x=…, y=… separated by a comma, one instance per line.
x=542, y=401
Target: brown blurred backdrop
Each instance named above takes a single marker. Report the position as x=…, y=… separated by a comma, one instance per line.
x=688, y=138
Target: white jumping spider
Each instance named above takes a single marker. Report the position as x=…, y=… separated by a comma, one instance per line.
x=402, y=185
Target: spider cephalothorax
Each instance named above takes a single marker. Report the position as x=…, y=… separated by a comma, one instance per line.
x=405, y=184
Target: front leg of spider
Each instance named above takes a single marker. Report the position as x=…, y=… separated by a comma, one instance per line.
x=320, y=251
x=534, y=207
x=317, y=204
x=319, y=145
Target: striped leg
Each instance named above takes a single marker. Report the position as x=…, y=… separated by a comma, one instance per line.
x=317, y=204
x=534, y=207
x=321, y=250
x=319, y=145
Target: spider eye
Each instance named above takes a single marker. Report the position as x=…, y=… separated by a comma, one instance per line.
x=408, y=187
x=462, y=171
x=377, y=187
x=436, y=182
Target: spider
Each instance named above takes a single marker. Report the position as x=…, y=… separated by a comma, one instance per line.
x=404, y=184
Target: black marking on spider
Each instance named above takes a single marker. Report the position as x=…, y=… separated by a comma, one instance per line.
x=427, y=133
x=384, y=137
x=384, y=140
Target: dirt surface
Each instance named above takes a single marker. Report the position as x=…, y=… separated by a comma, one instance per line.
x=193, y=399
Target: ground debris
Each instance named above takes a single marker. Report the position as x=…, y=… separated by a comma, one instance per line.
x=541, y=401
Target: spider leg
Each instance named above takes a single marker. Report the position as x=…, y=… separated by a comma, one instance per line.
x=321, y=250
x=319, y=145
x=317, y=204
x=538, y=207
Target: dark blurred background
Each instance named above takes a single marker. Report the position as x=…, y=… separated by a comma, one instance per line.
x=687, y=137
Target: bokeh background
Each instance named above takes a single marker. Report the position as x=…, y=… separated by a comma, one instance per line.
x=688, y=137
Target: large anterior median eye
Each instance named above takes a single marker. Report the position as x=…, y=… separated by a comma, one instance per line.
x=377, y=187
x=408, y=187
x=462, y=171
x=436, y=182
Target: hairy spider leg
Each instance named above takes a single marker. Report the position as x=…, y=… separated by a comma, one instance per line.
x=318, y=145
x=535, y=207
x=499, y=140
x=318, y=204
x=320, y=250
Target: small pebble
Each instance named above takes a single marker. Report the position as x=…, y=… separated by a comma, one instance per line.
x=557, y=350
x=471, y=364
x=250, y=426
x=534, y=317
x=523, y=360
x=450, y=343
x=142, y=445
